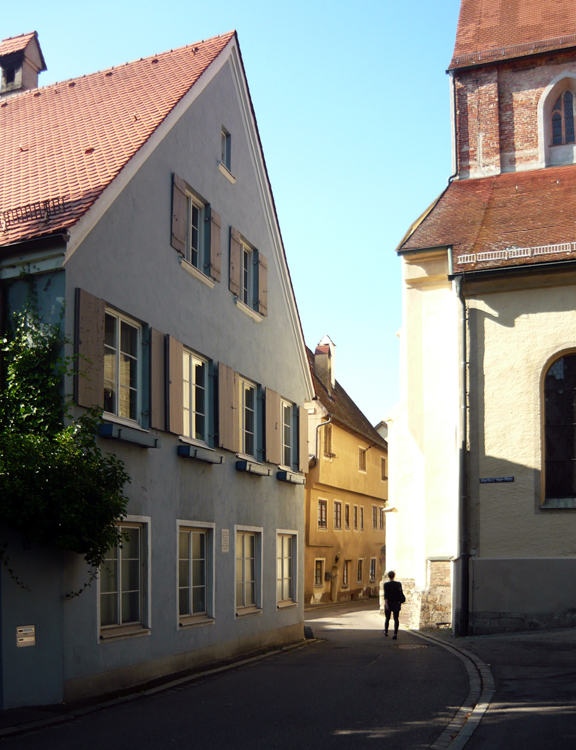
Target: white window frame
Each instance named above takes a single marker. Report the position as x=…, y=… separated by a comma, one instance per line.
x=121, y=318
x=288, y=448
x=226, y=149
x=105, y=633
x=321, y=560
x=248, y=280
x=190, y=409
x=193, y=202
x=360, y=570
x=292, y=534
x=323, y=501
x=337, y=504
x=373, y=570
x=245, y=386
x=381, y=524
x=374, y=518
x=183, y=621
x=256, y=608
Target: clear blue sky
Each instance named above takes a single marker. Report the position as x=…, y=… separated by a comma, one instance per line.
x=353, y=107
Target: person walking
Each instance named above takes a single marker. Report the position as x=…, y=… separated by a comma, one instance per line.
x=393, y=600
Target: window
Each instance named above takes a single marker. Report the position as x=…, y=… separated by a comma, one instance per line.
x=360, y=570
x=382, y=522
x=225, y=148
x=361, y=459
x=287, y=433
x=121, y=366
x=123, y=582
x=286, y=545
x=194, y=572
x=346, y=574
x=194, y=251
x=328, y=441
x=374, y=517
x=322, y=514
x=247, y=276
x=383, y=474
x=355, y=518
x=246, y=569
x=318, y=572
x=563, y=119
x=347, y=516
x=559, y=427
x=195, y=401
x=337, y=514
x=248, y=419
x=361, y=518
x=372, y=569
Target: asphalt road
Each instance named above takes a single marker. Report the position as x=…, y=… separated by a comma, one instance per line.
x=352, y=690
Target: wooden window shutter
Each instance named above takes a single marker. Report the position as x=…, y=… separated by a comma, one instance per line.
x=215, y=246
x=262, y=285
x=157, y=381
x=175, y=351
x=178, y=214
x=273, y=428
x=303, y=439
x=89, y=324
x=228, y=417
x=235, y=261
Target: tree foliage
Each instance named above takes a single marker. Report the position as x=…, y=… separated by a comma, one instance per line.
x=56, y=486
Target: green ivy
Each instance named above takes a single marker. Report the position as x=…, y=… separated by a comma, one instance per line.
x=56, y=486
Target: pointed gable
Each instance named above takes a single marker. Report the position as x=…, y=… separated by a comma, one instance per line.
x=63, y=144
x=491, y=30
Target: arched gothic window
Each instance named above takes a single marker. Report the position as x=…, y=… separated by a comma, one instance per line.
x=563, y=119
x=560, y=428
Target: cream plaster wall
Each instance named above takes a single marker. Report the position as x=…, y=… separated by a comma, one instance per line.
x=514, y=334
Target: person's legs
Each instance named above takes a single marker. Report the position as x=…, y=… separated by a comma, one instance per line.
x=396, y=611
x=387, y=614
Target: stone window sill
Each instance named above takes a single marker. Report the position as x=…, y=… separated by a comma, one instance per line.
x=248, y=310
x=559, y=503
x=227, y=173
x=246, y=611
x=120, y=633
x=193, y=621
x=193, y=271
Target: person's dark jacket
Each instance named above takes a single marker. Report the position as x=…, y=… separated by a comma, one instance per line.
x=393, y=591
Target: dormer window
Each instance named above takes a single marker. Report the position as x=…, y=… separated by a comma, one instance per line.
x=563, y=119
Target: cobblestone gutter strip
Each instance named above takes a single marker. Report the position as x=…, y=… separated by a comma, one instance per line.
x=35, y=726
x=469, y=715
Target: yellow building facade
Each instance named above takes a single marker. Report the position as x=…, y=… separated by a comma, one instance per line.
x=346, y=492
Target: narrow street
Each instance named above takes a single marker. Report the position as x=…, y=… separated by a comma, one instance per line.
x=352, y=689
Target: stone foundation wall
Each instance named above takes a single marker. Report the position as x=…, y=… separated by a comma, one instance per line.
x=427, y=607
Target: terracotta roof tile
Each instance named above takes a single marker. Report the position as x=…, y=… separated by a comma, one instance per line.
x=343, y=410
x=516, y=218
x=491, y=30
x=66, y=142
x=15, y=43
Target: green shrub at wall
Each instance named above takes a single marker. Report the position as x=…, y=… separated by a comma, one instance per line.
x=56, y=485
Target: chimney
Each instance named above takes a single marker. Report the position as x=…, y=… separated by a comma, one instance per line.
x=324, y=363
x=21, y=60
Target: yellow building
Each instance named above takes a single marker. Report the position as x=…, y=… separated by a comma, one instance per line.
x=482, y=443
x=346, y=492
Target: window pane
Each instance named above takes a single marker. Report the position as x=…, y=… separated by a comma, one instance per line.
x=250, y=542
x=109, y=609
x=239, y=594
x=129, y=339
x=249, y=594
x=198, y=573
x=198, y=544
x=131, y=546
x=131, y=607
x=184, y=573
x=130, y=575
x=556, y=128
x=108, y=576
x=199, y=600
x=184, y=602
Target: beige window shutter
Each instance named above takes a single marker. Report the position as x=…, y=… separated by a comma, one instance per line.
x=175, y=386
x=157, y=380
x=303, y=439
x=228, y=416
x=273, y=428
x=178, y=214
x=89, y=380
x=262, y=285
x=215, y=246
x=235, y=261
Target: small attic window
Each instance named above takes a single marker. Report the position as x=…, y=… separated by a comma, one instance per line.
x=563, y=119
x=9, y=74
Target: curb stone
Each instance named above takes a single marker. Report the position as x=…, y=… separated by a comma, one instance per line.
x=470, y=714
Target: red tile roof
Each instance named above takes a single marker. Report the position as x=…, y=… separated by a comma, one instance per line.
x=515, y=219
x=491, y=30
x=343, y=410
x=66, y=142
x=15, y=43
